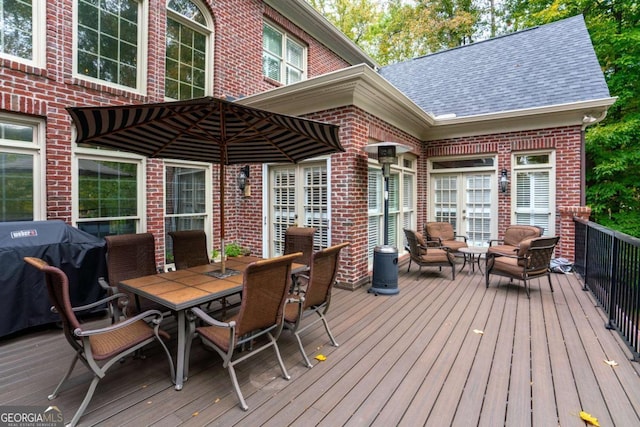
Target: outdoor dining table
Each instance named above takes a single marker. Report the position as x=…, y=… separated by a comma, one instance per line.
x=183, y=289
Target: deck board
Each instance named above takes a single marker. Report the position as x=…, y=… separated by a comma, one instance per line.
x=405, y=359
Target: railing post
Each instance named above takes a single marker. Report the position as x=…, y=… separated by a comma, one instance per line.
x=613, y=290
x=585, y=262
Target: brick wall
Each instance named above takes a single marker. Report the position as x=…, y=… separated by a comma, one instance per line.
x=565, y=141
x=45, y=92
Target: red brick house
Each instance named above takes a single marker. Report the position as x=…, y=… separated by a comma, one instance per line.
x=517, y=103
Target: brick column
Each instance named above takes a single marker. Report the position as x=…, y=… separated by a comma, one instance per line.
x=567, y=230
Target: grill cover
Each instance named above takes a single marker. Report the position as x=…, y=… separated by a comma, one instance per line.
x=24, y=301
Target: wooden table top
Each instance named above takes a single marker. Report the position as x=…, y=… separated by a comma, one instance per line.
x=181, y=289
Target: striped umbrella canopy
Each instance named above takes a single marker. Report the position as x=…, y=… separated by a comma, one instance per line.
x=205, y=129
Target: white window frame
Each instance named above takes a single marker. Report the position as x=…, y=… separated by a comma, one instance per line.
x=35, y=149
x=141, y=74
x=208, y=214
x=110, y=156
x=38, y=42
x=401, y=171
x=208, y=32
x=551, y=168
x=283, y=60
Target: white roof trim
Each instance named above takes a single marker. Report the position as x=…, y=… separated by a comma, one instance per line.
x=362, y=87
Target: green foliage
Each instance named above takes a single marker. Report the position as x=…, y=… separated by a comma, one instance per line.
x=234, y=249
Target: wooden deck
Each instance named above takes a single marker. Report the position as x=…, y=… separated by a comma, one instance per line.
x=439, y=353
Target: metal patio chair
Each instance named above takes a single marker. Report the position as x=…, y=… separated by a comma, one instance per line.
x=442, y=232
x=428, y=254
x=130, y=256
x=531, y=261
x=317, y=296
x=97, y=349
x=264, y=291
x=189, y=248
x=513, y=235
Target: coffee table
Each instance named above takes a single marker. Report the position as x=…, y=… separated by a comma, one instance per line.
x=473, y=254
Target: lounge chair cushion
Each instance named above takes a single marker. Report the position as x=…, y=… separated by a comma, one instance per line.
x=435, y=255
x=440, y=231
x=515, y=234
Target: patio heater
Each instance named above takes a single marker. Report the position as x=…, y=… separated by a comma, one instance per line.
x=385, y=256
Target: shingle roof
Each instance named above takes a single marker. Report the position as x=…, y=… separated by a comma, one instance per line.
x=542, y=66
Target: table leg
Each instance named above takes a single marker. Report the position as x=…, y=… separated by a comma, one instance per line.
x=181, y=350
x=480, y=268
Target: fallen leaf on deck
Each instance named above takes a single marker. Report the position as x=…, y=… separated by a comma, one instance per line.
x=589, y=419
x=321, y=357
x=611, y=362
x=478, y=331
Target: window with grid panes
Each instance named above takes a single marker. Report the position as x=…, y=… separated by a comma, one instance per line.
x=188, y=35
x=283, y=58
x=108, y=44
x=21, y=30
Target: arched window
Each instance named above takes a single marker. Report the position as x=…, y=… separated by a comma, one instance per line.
x=188, y=58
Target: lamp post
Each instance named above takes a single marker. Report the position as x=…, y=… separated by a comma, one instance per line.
x=385, y=257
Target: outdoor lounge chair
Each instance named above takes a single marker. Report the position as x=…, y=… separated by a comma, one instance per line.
x=189, y=248
x=442, y=232
x=130, y=256
x=316, y=297
x=513, y=235
x=264, y=291
x=108, y=345
x=530, y=261
x=428, y=254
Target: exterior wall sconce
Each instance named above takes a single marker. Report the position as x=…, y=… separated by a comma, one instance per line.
x=503, y=181
x=243, y=177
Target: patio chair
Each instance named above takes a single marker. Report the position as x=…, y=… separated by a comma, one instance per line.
x=317, y=296
x=428, y=254
x=513, y=235
x=299, y=239
x=97, y=349
x=531, y=261
x=189, y=248
x=130, y=256
x=264, y=290
x=442, y=232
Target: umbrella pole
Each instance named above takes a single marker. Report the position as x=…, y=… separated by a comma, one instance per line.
x=222, y=180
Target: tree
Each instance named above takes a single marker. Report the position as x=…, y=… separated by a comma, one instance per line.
x=613, y=146
x=397, y=30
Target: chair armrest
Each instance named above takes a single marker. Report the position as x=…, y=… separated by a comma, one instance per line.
x=492, y=241
x=156, y=316
x=210, y=320
x=106, y=286
x=100, y=302
x=460, y=237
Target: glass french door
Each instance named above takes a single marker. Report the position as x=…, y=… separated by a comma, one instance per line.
x=299, y=196
x=464, y=200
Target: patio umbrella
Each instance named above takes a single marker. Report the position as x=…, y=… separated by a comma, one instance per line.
x=205, y=129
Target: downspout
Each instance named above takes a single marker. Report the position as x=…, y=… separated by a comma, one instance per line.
x=587, y=120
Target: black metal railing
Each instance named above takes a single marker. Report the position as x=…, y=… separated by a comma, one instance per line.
x=609, y=263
